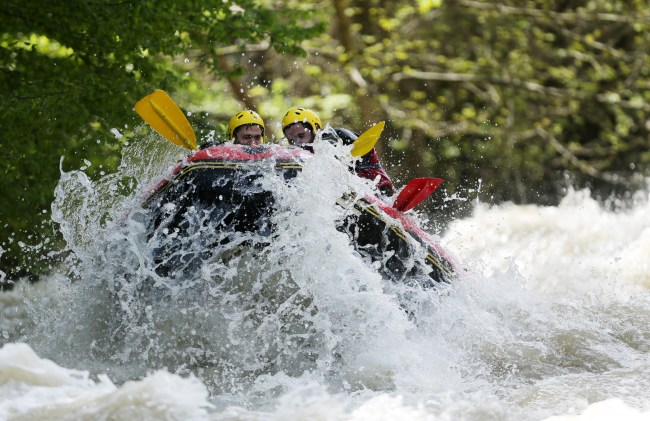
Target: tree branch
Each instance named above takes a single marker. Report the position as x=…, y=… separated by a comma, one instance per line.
x=606, y=97
x=473, y=77
x=561, y=16
x=581, y=165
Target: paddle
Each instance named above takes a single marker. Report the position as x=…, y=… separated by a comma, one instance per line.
x=366, y=141
x=415, y=192
x=165, y=117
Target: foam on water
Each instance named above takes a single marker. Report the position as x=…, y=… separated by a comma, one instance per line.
x=576, y=246
x=33, y=388
x=549, y=316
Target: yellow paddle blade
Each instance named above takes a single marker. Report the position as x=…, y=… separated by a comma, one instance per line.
x=164, y=116
x=367, y=140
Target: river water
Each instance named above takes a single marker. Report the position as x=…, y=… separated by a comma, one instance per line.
x=549, y=318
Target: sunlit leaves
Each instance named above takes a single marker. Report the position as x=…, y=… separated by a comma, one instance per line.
x=426, y=5
x=71, y=71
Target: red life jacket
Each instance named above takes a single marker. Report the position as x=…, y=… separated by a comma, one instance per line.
x=369, y=167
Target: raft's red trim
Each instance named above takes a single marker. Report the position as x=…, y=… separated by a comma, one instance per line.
x=231, y=152
x=408, y=223
x=246, y=153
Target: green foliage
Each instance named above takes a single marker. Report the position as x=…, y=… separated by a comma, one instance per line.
x=505, y=95
x=524, y=91
x=70, y=71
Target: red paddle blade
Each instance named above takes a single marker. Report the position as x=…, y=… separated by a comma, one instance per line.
x=415, y=192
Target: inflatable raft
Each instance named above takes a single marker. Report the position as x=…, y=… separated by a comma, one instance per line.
x=221, y=186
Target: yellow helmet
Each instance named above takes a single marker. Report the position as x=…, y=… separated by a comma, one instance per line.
x=243, y=118
x=302, y=115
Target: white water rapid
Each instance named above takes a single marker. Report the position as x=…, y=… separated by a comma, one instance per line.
x=549, y=318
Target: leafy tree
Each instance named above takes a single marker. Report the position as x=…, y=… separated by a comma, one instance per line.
x=510, y=93
x=70, y=71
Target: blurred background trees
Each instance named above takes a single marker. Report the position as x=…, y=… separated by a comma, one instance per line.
x=505, y=100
